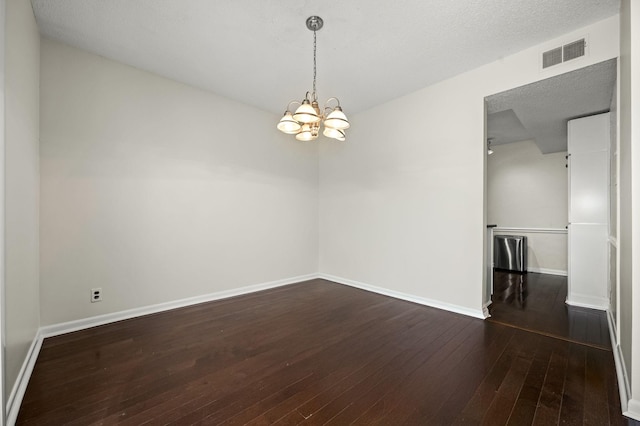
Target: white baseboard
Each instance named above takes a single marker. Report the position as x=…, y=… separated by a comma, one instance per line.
x=81, y=324
x=476, y=313
x=20, y=385
x=621, y=371
x=633, y=409
x=591, y=302
x=547, y=271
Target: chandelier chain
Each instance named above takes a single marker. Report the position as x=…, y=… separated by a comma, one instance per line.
x=314, y=65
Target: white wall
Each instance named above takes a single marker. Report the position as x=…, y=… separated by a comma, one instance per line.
x=156, y=191
x=527, y=188
x=21, y=184
x=402, y=202
x=629, y=198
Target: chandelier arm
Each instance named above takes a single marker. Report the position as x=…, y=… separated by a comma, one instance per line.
x=293, y=102
x=329, y=100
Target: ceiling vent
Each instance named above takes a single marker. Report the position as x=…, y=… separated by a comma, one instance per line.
x=564, y=53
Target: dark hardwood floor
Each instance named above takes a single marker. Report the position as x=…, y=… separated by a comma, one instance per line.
x=318, y=353
x=536, y=302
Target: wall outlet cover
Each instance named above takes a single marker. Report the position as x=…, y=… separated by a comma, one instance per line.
x=96, y=295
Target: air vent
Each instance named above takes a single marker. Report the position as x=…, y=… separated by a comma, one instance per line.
x=573, y=50
x=552, y=57
x=564, y=53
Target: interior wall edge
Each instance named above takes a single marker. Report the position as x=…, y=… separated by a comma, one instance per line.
x=587, y=301
x=559, y=272
x=463, y=310
x=621, y=370
x=2, y=213
x=52, y=330
x=633, y=409
x=94, y=321
x=20, y=195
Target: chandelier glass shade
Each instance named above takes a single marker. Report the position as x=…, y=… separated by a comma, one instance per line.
x=306, y=120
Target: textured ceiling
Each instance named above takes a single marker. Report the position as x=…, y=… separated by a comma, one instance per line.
x=259, y=51
x=540, y=110
x=505, y=127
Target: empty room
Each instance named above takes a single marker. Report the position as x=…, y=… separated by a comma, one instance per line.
x=297, y=212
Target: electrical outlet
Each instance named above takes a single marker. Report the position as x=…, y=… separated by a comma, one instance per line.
x=96, y=295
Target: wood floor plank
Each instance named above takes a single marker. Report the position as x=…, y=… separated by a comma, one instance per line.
x=477, y=406
x=503, y=403
x=596, y=411
x=572, y=411
x=339, y=357
x=307, y=345
x=525, y=407
x=396, y=402
x=363, y=396
x=548, y=410
x=329, y=379
x=431, y=385
x=469, y=374
x=328, y=404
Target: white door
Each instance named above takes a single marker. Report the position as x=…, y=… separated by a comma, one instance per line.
x=588, y=145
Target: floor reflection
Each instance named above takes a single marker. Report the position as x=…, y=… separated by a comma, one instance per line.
x=512, y=290
x=536, y=302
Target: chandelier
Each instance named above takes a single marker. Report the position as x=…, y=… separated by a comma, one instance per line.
x=305, y=121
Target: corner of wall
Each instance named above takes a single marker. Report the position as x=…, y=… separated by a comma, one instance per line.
x=21, y=205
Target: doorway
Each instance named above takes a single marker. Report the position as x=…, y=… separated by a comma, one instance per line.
x=527, y=196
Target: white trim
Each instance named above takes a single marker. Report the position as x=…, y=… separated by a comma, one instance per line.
x=612, y=328
x=3, y=376
x=582, y=301
x=633, y=409
x=84, y=323
x=547, y=271
x=530, y=230
x=621, y=371
x=476, y=313
x=20, y=385
x=485, y=309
